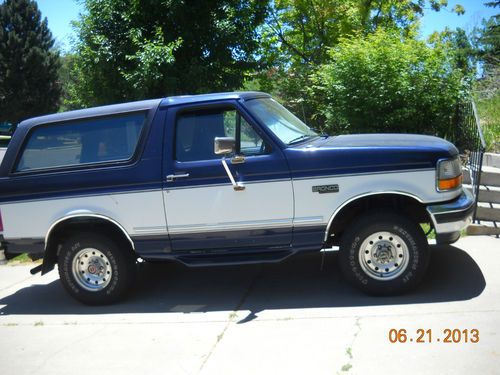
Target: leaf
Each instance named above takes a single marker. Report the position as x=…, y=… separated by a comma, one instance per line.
x=458, y=9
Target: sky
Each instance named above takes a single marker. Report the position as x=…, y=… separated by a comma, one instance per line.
x=475, y=11
x=60, y=13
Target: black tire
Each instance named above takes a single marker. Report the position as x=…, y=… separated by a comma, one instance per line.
x=89, y=258
x=384, y=254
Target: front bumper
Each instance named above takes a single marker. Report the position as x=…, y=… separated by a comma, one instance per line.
x=450, y=218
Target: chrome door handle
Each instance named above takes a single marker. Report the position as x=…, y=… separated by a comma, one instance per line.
x=238, y=159
x=173, y=177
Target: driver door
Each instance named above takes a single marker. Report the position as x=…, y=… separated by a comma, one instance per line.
x=204, y=210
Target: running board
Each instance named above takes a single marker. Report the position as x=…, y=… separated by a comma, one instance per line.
x=199, y=260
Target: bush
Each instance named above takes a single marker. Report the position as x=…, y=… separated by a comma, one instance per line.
x=386, y=83
x=489, y=112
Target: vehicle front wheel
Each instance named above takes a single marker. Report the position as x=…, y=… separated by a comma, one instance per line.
x=384, y=254
x=94, y=269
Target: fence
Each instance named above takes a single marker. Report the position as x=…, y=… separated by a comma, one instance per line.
x=469, y=139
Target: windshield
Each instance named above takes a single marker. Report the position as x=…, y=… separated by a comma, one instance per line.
x=279, y=120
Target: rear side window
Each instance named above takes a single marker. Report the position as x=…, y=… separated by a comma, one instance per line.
x=84, y=142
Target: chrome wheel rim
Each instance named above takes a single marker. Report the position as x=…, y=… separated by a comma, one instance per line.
x=92, y=269
x=383, y=256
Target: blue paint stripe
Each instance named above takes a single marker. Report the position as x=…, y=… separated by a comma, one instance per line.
x=82, y=193
x=264, y=239
x=359, y=170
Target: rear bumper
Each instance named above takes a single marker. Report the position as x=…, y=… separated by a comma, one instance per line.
x=450, y=218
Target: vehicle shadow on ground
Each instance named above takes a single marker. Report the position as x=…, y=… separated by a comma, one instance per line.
x=296, y=283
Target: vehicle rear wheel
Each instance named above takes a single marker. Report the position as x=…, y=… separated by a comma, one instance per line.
x=384, y=254
x=95, y=269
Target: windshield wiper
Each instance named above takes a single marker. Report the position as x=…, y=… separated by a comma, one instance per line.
x=301, y=138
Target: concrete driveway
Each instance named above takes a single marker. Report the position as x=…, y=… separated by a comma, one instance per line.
x=288, y=318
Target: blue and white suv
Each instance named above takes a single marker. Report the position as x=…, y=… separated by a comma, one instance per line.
x=221, y=179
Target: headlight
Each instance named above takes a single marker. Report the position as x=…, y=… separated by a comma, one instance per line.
x=449, y=174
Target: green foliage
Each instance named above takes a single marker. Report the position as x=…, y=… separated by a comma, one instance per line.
x=458, y=9
x=487, y=88
x=488, y=43
x=134, y=49
x=493, y=4
x=29, y=64
x=387, y=83
x=464, y=53
x=400, y=14
x=299, y=31
x=342, y=65
x=488, y=109
x=298, y=35
x=151, y=55
x=295, y=41
x=67, y=79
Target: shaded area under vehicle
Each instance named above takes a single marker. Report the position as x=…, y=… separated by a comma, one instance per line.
x=296, y=283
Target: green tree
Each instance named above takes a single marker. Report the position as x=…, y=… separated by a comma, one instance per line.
x=68, y=81
x=299, y=33
x=133, y=49
x=464, y=53
x=29, y=64
x=487, y=89
x=400, y=14
x=488, y=42
x=387, y=83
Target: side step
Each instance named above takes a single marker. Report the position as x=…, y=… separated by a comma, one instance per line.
x=198, y=260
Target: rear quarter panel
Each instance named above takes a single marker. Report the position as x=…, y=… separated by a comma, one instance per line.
x=130, y=193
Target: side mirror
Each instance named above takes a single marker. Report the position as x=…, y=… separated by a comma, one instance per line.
x=224, y=145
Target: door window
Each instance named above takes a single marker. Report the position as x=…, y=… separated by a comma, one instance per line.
x=196, y=131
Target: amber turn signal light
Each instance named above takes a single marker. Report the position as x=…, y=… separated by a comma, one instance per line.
x=450, y=183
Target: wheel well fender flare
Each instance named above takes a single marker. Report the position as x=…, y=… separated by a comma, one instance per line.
x=89, y=215
x=361, y=196
x=50, y=254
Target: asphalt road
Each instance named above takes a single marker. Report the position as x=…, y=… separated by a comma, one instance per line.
x=288, y=318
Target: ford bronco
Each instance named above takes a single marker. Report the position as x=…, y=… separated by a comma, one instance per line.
x=221, y=179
